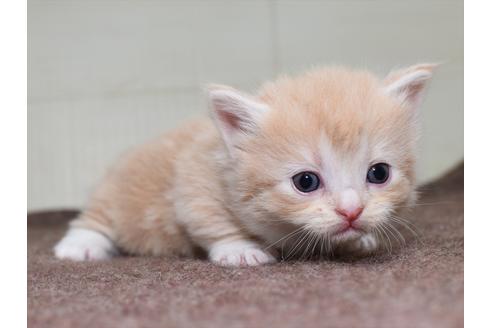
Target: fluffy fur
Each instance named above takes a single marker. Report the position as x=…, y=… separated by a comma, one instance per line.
x=226, y=188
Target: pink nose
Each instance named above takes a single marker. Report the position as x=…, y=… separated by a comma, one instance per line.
x=350, y=214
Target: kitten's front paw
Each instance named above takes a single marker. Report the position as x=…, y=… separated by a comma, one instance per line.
x=239, y=253
x=366, y=244
x=84, y=245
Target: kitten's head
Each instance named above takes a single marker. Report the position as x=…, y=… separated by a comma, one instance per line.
x=332, y=150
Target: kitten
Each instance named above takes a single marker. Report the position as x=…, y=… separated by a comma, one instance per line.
x=310, y=164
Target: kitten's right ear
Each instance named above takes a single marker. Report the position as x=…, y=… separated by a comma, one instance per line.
x=236, y=115
x=407, y=85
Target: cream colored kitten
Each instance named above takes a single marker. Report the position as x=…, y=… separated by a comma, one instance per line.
x=310, y=164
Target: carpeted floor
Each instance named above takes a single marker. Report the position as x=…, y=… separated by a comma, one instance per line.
x=421, y=285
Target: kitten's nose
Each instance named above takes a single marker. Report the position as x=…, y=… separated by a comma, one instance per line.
x=349, y=214
x=349, y=205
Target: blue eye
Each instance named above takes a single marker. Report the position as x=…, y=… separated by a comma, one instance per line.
x=378, y=173
x=306, y=181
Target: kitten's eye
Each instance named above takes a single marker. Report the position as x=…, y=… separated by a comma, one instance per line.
x=378, y=173
x=306, y=181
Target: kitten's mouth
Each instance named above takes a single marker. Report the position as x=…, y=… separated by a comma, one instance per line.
x=348, y=230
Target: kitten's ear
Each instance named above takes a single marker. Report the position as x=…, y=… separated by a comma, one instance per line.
x=407, y=85
x=236, y=115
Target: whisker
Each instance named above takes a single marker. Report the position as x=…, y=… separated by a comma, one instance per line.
x=284, y=237
x=395, y=216
x=307, y=246
x=314, y=245
x=410, y=224
x=428, y=204
x=283, y=243
x=407, y=225
x=299, y=241
x=390, y=229
x=383, y=230
x=379, y=235
x=330, y=246
x=398, y=234
x=323, y=238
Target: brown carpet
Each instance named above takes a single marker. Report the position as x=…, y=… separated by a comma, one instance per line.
x=418, y=286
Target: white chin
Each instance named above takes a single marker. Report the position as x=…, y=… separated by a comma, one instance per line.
x=347, y=235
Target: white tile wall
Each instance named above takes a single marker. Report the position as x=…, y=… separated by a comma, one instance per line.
x=382, y=35
x=106, y=75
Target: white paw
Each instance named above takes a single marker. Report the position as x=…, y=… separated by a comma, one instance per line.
x=364, y=245
x=239, y=253
x=84, y=245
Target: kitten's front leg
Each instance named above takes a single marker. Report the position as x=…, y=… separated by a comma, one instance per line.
x=223, y=240
x=239, y=253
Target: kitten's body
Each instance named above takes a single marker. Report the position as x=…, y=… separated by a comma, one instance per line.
x=227, y=188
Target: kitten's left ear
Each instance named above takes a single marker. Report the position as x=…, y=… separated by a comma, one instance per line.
x=236, y=114
x=407, y=85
